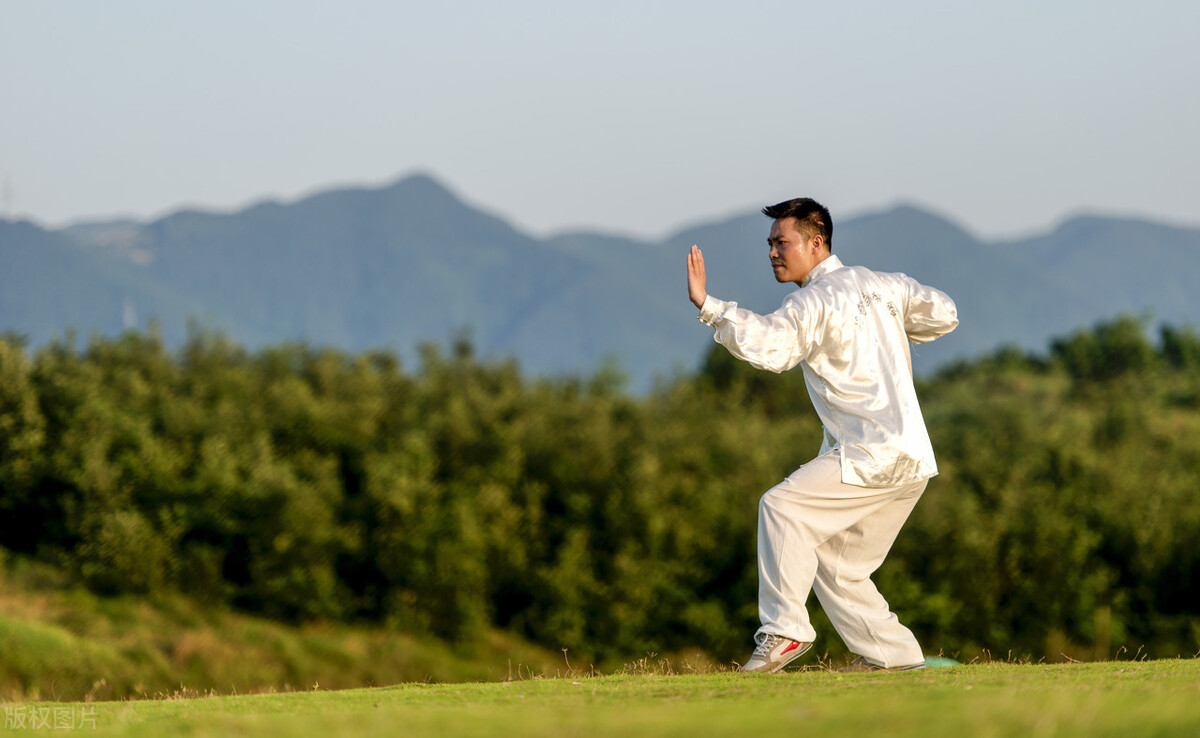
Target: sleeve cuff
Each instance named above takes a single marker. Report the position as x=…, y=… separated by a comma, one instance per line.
x=712, y=310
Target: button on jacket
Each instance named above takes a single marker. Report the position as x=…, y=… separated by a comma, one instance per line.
x=849, y=329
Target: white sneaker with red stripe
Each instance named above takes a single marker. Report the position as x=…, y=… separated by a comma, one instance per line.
x=773, y=653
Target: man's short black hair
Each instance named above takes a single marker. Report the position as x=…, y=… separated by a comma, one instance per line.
x=812, y=218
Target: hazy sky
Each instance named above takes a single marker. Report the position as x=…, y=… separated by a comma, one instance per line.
x=633, y=117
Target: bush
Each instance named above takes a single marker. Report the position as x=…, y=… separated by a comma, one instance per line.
x=307, y=484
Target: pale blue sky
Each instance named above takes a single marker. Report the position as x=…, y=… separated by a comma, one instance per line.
x=632, y=117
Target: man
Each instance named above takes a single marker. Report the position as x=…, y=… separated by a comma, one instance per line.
x=829, y=525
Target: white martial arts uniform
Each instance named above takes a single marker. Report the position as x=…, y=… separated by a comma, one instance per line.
x=830, y=524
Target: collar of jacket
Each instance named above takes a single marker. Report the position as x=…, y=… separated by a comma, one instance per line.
x=829, y=264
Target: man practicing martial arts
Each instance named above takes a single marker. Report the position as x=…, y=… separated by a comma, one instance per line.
x=829, y=525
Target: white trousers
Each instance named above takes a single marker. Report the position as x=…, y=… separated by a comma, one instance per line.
x=817, y=533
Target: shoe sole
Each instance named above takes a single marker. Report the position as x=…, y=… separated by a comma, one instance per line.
x=871, y=668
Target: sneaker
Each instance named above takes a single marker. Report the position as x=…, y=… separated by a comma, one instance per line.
x=773, y=653
x=861, y=664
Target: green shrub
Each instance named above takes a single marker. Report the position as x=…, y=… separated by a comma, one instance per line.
x=305, y=484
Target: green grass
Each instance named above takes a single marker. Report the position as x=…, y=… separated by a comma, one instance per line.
x=61, y=647
x=1100, y=699
x=60, y=642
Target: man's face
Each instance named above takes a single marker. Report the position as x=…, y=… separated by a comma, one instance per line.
x=792, y=255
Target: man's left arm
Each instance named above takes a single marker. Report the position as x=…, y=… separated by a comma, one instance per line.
x=772, y=342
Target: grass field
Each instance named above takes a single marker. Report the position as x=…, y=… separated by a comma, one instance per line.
x=1160, y=698
x=59, y=642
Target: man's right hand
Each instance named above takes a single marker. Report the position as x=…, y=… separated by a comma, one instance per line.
x=697, y=281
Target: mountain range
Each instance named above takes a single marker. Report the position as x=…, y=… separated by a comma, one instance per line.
x=396, y=266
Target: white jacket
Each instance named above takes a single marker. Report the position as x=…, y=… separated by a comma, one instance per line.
x=849, y=329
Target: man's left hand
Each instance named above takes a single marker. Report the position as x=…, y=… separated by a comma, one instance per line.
x=697, y=281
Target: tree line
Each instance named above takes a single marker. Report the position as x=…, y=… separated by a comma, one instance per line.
x=303, y=483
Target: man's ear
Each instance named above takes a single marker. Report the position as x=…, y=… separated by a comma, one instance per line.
x=817, y=242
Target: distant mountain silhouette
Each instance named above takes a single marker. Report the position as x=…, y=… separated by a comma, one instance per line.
x=396, y=266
